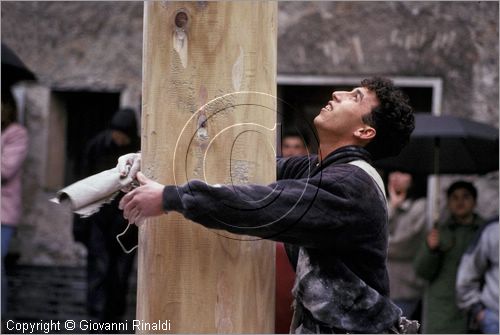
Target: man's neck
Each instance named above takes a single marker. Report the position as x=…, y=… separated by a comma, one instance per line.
x=326, y=148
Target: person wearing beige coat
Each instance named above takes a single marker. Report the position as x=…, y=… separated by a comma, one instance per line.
x=406, y=233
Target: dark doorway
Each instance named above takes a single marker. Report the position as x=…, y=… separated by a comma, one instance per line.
x=87, y=114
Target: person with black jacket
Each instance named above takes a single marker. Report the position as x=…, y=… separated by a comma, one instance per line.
x=108, y=266
x=331, y=208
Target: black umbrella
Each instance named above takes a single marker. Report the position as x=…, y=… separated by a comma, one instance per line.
x=447, y=145
x=13, y=69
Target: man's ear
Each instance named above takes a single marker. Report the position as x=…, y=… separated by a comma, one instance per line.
x=365, y=133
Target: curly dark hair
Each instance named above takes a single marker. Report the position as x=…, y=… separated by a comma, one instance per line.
x=392, y=118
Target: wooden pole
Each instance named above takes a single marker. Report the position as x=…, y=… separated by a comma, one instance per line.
x=208, y=113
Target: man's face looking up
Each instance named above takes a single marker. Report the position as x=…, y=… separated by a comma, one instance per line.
x=343, y=114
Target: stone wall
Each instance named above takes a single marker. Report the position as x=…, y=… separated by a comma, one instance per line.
x=86, y=46
x=456, y=41
x=78, y=45
x=97, y=46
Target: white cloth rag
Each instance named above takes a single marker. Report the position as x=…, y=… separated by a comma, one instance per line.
x=88, y=195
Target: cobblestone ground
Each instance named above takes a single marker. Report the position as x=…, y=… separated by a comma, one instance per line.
x=52, y=293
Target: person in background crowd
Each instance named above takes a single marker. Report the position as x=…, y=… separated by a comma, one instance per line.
x=477, y=281
x=407, y=227
x=438, y=257
x=294, y=144
x=108, y=266
x=14, y=151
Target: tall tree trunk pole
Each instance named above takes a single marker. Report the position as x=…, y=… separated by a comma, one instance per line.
x=209, y=113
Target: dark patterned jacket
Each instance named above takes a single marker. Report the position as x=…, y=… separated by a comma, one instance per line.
x=333, y=213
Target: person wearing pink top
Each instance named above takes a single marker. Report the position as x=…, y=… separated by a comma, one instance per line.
x=14, y=150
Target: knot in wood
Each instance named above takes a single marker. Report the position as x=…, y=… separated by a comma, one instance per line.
x=181, y=19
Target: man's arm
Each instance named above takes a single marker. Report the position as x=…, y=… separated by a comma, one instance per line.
x=308, y=212
x=428, y=262
x=276, y=211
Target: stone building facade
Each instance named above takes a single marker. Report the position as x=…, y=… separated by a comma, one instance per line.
x=78, y=48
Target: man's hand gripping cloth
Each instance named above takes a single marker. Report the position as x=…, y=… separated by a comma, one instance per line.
x=88, y=195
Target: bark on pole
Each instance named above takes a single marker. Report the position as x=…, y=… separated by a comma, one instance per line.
x=209, y=113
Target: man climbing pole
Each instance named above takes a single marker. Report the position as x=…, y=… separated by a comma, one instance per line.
x=331, y=208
